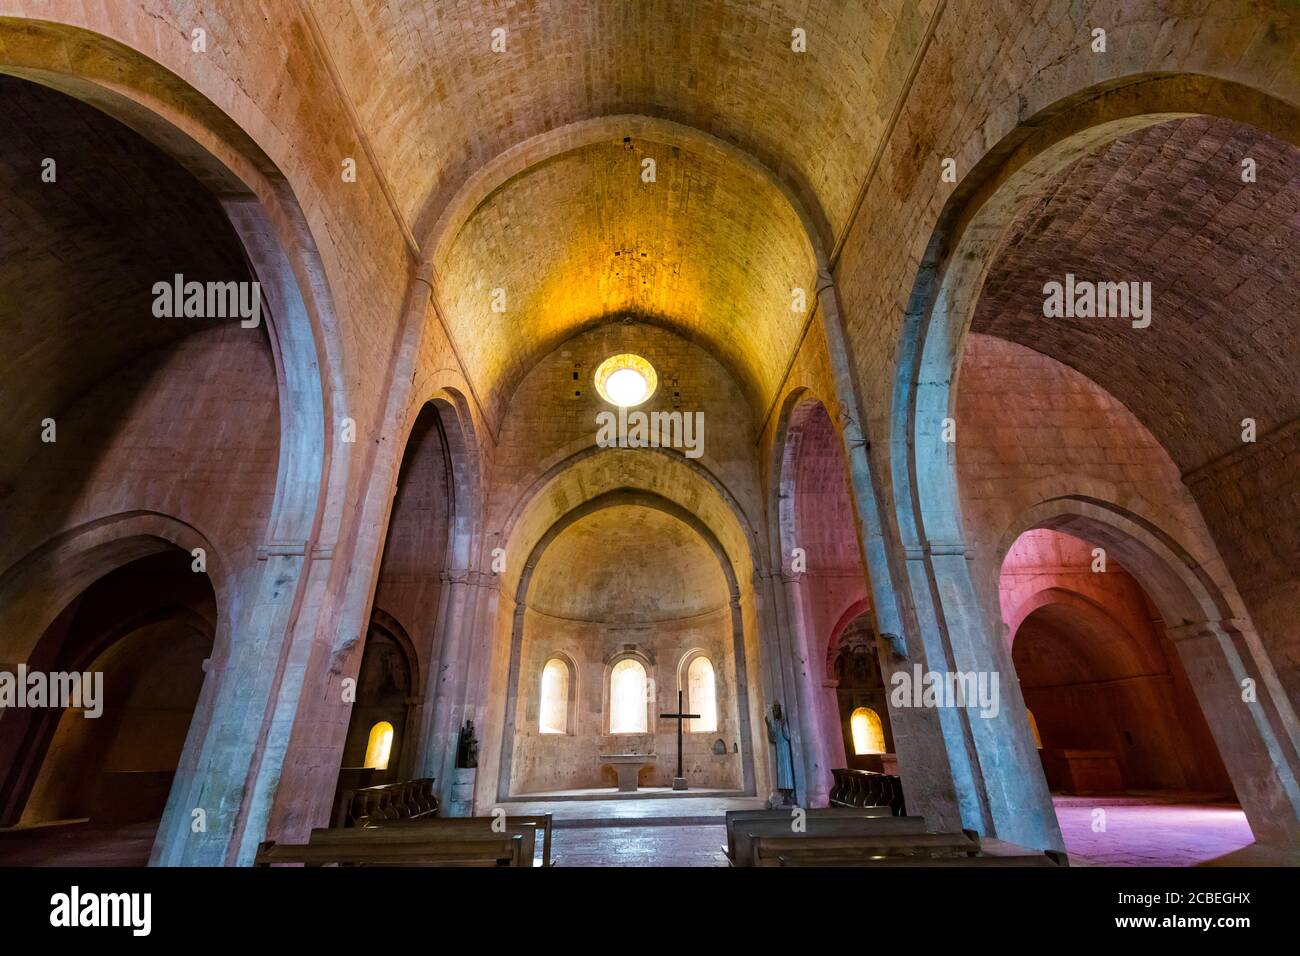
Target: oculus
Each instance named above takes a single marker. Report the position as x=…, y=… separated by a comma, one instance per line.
x=626, y=380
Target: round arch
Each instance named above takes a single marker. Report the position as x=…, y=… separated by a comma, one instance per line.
x=1253, y=726
x=923, y=477
x=967, y=236
x=174, y=116
x=37, y=590
x=615, y=497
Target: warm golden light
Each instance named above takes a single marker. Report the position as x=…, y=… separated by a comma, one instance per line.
x=868, y=733
x=380, y=745
x=626, y=387
x=627, y=698
x=1033, y=726
x=554, y=717
x=626, y=380
x=702, y=696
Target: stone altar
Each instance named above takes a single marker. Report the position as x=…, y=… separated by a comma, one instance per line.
x=627, y=766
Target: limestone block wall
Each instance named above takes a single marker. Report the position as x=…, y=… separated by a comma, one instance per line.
x=553, y=414
x=1251, y=502
x=192, y=432
x=570, y=761
x=1055, y=433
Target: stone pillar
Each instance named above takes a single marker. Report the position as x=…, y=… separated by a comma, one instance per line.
x=817, y=786
x=930, y=782
x=784, y=687
x=832, y=726
x=447, y=689
x=1240, y=701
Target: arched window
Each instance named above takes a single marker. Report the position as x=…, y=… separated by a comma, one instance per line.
x=627, y=697
x=701, y=696
x=554, y=717
x=380, y=745
x=868, y=733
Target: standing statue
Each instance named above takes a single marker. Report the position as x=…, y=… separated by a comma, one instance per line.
x=778, y=733
x=467, y=747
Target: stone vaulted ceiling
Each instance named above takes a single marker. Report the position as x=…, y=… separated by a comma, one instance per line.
x=650, y=567
x=78, y=262
x=709, y=249
x=1168, y=206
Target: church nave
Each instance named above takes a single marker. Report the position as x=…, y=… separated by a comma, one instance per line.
x=476, y=434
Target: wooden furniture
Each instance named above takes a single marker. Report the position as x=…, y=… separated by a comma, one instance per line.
x=863, y=788
x=456, y=841
x=749, y=833
x=542, y=822
x=784, y=817
x=812, y=850
x=359, y=847
x=1081, y=771
x=406, y=800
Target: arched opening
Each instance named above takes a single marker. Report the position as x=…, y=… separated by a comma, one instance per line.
x=1114, y=715
x=1020, y=227
x=861, y=695
x=701, y=695
x=427, y=539
x=867, y=731
x=384, y=689
x=826, y=583
x=629, y=692
x=101, y=762
x=157, y=401
x=630, y=591
x=555, y=697
x=379, y=746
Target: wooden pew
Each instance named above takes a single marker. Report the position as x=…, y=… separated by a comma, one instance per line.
x=543, y=822
x=354, y=847
x=866, y=788
x=416, y=833
x=406, y=800
x=786, y=814
x=768, y=850
x=746, y=833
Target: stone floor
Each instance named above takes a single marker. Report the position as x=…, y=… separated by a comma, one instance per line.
x=648, y=811
x=1148, y=830
x=640, y=846
x=78, y=844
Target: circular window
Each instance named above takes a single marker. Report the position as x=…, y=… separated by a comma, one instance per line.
x=626, y=380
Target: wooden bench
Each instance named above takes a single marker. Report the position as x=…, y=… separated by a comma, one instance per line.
x=811, y=850
x=747, y=833
x=735, y=817
x=866, y=788
x=542, y=822
x=354, y=847
x=407, y=800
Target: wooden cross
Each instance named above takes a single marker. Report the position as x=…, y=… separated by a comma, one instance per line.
x=679, y=717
